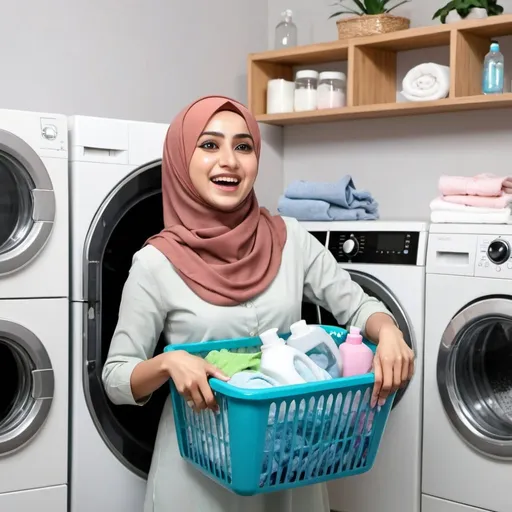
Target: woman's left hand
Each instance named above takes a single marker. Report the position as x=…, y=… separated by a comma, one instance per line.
x=393, y=364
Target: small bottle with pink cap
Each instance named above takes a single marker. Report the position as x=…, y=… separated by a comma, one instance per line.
x=357, y=357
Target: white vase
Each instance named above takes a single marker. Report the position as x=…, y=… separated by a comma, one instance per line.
x=477, y=13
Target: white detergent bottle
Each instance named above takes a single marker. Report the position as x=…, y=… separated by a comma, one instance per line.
x=317, y=345
x=285, y=364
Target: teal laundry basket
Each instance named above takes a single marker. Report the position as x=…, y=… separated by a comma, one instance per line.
x=265, y=440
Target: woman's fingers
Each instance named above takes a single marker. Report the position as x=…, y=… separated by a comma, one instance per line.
x=207, y=393
x=377, y=370
x=387, y=381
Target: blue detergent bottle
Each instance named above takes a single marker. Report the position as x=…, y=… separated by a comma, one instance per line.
x=493, y=71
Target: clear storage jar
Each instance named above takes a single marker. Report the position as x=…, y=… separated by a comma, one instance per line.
x=305, y=97
x=331, y=90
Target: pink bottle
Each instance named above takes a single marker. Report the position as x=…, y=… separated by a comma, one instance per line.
x=356, y=356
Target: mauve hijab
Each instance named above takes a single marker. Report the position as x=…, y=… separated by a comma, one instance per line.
x=226, y=258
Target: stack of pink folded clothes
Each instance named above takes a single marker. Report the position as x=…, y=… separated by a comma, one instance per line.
x=481, y=199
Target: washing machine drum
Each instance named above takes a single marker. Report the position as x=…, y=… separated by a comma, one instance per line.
x=27, y=203
x=27, y=384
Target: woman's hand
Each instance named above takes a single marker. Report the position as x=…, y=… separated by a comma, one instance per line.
x=190, y=375
x=393, y=364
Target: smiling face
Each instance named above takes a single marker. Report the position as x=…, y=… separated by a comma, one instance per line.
x=224, y=165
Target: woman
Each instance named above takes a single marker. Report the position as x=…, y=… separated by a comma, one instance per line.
x=225, y=268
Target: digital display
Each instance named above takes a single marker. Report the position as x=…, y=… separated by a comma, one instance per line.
x=390, y=241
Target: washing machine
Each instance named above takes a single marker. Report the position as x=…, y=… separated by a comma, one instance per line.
x=387, y=259
x=33, y=205
x=34, y=339
x=467, y=445
x=34, y=311
x=116, y=204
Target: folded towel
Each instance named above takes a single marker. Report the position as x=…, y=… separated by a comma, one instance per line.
x=311, y=210
x=501, y=201
x=426, y=82
x=488, y=185
x=252, y=380
x=342, y=193
x=440, y=204
x=451, y=217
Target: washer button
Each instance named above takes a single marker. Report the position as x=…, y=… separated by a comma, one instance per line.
x=498, y=269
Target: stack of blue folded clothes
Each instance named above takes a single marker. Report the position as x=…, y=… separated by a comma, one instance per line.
x=323, y=201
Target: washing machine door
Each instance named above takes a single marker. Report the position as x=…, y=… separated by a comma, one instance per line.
x=27, y=380
x=376, y=288
x=27, y=203
x=474, y=375
x=128, y=217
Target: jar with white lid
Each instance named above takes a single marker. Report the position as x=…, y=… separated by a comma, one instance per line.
x=305, y=97
x=331, y=90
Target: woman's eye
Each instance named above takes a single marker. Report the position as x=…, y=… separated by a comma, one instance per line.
x=208, y=145
x=244, y=147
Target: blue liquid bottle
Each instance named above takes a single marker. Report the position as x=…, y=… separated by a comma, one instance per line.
x=494, y=71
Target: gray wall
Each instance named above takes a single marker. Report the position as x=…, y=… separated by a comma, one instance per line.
x=133, y=59
x=398, y=160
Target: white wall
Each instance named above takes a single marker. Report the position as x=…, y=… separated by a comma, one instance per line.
x=133, y=59
x=398, y=160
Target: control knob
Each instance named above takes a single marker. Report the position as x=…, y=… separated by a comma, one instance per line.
x=498, y=251
x=350, y=247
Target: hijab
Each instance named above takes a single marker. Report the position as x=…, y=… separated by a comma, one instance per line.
x=226, y=258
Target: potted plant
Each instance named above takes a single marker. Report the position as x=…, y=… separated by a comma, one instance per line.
x=369, y=17
x=457, y=10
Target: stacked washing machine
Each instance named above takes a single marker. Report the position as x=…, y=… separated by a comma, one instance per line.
x=34, y=311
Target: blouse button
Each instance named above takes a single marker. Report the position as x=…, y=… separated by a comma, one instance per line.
x=252, y=333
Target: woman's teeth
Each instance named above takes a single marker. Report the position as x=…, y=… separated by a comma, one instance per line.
x=229, y=182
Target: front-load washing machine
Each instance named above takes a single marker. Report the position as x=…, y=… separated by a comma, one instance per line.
x=33, y=205
x=116, y=204
x=34, y=363
x=387, y=259
x=467, y=444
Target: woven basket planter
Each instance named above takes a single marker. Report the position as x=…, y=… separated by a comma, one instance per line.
x=369, y=25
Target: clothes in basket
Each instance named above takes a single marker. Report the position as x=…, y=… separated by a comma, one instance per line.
x=302, y=440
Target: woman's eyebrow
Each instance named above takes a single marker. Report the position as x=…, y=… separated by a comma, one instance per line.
x=236, y=136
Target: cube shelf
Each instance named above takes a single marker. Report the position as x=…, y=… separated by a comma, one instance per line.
x=372, y=69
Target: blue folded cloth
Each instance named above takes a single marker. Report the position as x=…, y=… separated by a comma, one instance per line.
x=342, y=193
x=317, y=210
x=252, y=380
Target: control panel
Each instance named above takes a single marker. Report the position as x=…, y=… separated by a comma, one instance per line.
x=383, y=247
x=494, y=256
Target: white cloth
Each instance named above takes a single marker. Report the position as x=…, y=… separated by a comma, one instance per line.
x=452, y=213
x=426, y=82
x=155, y=299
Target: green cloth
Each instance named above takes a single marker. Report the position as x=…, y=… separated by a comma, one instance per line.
x=232, y=362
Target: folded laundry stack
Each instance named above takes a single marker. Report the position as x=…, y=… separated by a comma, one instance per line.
x=480, y=199
x=426, y=82
x=325, y=201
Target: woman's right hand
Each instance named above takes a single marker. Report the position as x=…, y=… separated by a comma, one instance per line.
x=190, y=376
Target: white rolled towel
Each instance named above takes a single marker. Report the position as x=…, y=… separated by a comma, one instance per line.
x=426, y=82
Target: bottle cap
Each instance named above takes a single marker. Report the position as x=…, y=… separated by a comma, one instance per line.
x=288, y=13
x=354, y=336
x=495, y=47
x=271, y=337
x=299, y=328
x=307, y=73
x=332, y=75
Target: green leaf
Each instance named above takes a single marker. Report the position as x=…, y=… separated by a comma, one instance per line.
x=339, y=13
x=397, y=5
x=374, y=6
x=361, y=6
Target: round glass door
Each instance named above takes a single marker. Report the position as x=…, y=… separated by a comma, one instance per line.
x=27, y=203
x=129, y=216
x=474, y=375
x=27, y=383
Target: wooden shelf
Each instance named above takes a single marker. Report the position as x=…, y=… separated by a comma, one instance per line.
x=371, y=64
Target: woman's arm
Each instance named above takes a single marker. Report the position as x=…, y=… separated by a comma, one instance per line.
x=330, y=286
x=131, y=373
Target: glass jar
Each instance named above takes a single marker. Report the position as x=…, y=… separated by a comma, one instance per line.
x=331, y=90
x=305, y=97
